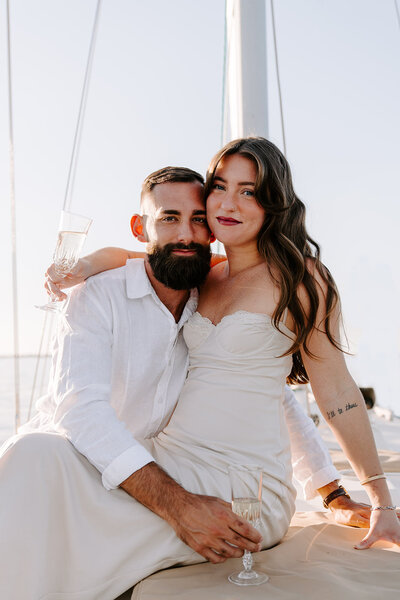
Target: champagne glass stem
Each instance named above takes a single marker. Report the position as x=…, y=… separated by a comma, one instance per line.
x=247, y=561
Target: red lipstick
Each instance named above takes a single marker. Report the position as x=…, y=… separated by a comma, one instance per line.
x=228, y=221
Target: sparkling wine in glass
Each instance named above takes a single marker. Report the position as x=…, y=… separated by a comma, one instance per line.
x=246, y=487
x=72, y=233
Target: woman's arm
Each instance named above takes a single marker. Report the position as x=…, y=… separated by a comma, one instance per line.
x=343, y=406
x=97, y=262
x=100, y=260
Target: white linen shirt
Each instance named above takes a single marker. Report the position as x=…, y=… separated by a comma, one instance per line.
x=119, y=365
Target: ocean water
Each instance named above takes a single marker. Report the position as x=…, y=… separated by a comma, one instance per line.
x=27, y=366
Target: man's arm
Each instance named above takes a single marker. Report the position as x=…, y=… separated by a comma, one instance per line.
x=205, y=523
x=312, y=464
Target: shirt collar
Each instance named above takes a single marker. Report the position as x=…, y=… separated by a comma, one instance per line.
x=138, y=285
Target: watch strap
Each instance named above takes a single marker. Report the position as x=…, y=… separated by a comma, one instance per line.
x=340, y=491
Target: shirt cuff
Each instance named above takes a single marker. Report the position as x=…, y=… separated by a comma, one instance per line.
x=124, y=465
x=318, y=480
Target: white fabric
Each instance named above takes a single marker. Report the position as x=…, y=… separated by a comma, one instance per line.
x=312, y=464
x=76, y=540
x=119, y=364
x=64, y=536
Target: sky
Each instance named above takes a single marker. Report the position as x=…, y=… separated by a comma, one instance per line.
x=155, y=99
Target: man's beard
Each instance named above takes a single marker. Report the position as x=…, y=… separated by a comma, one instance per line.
x=180, y=272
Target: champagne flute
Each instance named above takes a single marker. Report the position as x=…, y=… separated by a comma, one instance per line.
x=246, y=487
x=72, y=232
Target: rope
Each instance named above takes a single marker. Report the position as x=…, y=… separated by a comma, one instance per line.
x=396, y=7
x=224, y=79
x=47, y=355
x=81, y=114
x=223, y=100
x=278, y=77
x=38, y=357
x=13, y=230
x=70, y=184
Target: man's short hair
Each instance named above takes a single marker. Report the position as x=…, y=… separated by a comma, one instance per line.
x=169, y=175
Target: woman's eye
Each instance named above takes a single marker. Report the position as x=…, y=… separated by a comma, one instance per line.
x=248, y=192
x=218, y=186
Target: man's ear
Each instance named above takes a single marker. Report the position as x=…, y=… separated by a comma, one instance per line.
x=212, y=238
x=137, y=228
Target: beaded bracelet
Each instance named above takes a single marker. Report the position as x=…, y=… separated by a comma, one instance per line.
x=373, y=478
x=383, y=507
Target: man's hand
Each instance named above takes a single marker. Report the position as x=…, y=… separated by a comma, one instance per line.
x=208, y=525
x=205, y=523
x=347, y=512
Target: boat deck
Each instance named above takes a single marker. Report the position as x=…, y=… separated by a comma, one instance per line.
x=315, y=560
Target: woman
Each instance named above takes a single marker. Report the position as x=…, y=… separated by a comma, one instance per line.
x=271, y=311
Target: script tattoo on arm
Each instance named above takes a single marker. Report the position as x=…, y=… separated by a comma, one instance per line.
x=331, y=414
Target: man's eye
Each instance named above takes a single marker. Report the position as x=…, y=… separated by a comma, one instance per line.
x=169, y=218
x=200, y=219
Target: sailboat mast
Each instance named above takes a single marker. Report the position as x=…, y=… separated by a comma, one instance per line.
x=246, y=92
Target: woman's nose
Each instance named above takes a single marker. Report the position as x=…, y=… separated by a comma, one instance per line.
x=228, y=202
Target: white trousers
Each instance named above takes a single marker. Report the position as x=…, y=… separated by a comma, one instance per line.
x=63, y=536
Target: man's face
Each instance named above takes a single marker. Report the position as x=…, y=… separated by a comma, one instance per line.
x=178, y=236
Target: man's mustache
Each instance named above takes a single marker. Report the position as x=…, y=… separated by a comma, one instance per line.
x=179, y=246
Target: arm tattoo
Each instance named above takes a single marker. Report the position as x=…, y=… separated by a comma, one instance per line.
x=332, y=413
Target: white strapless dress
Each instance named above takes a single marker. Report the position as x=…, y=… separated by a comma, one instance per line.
x=230, y=411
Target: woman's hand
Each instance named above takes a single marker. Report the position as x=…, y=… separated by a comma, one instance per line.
x=54, y=283
x=100, y=260
x=384, y=525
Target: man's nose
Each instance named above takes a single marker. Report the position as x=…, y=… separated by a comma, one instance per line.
x=185, y=233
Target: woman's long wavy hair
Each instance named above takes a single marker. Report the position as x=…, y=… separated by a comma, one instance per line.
x=284, y=243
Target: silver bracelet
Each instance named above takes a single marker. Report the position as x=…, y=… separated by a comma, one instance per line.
x=383, y=508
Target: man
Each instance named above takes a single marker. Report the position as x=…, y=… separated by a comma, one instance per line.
x=119, y=364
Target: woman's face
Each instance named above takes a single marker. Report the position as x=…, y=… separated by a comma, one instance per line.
x=233, y=214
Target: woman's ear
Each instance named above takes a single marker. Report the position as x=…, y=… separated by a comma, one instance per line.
x=137, y=228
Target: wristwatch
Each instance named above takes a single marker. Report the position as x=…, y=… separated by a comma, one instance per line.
x=340, y=491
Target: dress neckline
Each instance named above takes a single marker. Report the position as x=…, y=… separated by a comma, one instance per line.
x=236, y=313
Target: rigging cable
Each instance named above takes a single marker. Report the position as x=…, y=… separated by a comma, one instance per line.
x=278, y=77
x=13, y=230
x=71, y=174
x=47, y=355
x=223, y=101
x=81, y=114
x=396, y=7
x=224, y=80
x=38, y=357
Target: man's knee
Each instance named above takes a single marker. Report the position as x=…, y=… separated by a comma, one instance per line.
x=32, y=447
